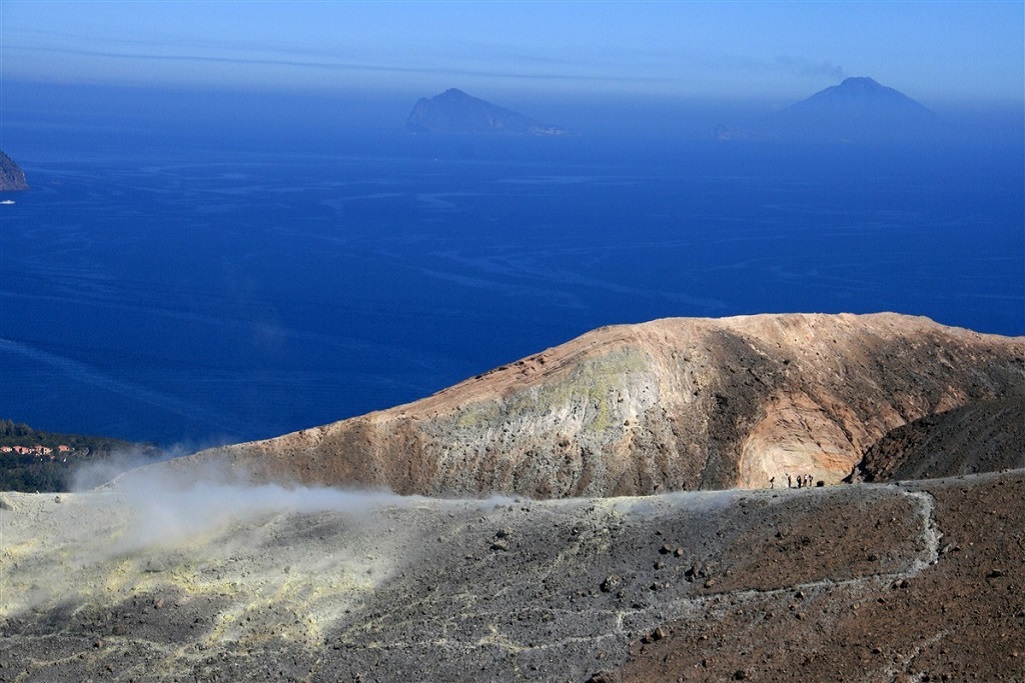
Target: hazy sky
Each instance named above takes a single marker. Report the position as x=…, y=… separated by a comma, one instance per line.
x=932, y=51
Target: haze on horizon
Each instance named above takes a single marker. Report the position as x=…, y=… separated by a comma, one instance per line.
x=227, y=210
x=560, y=62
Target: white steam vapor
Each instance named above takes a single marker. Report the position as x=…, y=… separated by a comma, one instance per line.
x=809, y=69
x=166, y=512
x=90, y=474
x=196, y=522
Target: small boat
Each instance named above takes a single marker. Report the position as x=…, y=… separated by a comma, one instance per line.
x=7, y=201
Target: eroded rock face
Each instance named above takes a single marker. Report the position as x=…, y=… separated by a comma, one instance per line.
x=674, y=404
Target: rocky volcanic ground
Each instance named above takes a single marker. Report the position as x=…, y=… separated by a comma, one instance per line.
x=986, y=436
x=921, y=581
x=209, y=569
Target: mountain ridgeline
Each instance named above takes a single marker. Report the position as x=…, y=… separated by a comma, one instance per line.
x=674, y=404
x=453, y=111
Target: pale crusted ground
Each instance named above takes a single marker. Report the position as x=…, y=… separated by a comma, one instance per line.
x=859, y=583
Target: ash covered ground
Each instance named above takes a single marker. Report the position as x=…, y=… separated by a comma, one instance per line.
x=151, y=581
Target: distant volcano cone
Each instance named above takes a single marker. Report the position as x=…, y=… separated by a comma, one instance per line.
x=857, y=110
x=857, y=102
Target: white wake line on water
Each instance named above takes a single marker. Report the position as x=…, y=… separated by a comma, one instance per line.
x=514, y=265
x=252, y=327
x=90, y=375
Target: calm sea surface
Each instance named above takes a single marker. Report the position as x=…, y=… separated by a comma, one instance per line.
x=200, y=292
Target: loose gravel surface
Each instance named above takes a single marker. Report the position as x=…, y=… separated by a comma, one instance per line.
x=919, y=581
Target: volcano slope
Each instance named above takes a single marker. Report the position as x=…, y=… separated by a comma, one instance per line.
x=674, y=404
x=985, y=436
x=179, y=572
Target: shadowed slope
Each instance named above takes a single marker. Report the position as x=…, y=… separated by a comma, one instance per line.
x=980, y=437
x=959, y=616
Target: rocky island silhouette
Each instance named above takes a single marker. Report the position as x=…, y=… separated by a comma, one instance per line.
x=12, y=178
x=456, y=112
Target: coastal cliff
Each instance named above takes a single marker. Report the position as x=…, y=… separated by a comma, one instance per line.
x=12, y=178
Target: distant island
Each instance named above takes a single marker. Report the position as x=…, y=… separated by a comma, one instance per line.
x=857, y=110
x=12, y=178
x=453, y=111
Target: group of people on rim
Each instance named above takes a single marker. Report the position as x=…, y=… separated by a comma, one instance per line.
x=798, y=481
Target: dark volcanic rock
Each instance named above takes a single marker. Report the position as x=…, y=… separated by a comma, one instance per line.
x=946, y=621
x=12, y=178
x=987, y=436
x=453, y=111
x=856, y=583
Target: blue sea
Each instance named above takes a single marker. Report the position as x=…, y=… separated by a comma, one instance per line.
x=203, y=286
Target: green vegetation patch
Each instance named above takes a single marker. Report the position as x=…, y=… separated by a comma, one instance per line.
x=32, y=460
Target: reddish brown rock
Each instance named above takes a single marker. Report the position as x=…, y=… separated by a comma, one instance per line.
x=674, y=404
